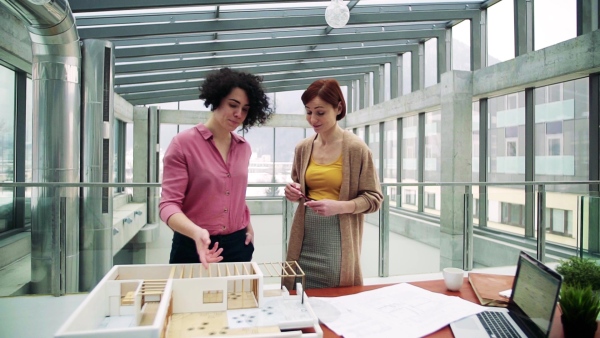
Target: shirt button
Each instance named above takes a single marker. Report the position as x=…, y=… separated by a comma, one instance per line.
x=224, y=227
x=227, y=193
x=228, y=175
x=225, y=210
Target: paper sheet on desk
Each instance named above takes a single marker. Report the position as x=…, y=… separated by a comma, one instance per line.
x=387, y=311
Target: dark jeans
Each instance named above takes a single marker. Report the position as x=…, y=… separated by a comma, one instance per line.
x=183, y=249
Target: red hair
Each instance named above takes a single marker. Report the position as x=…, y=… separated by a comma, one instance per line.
x=327, y=90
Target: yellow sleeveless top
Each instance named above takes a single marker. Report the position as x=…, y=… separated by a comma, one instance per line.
x=323, y=181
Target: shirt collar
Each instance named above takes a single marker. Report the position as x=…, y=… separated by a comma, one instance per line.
x=207, y=134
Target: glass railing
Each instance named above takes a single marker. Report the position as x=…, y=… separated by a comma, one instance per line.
x=47, y=243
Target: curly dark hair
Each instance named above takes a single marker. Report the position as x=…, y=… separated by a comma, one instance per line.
x=220, y=83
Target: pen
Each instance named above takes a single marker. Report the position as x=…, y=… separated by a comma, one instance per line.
x=306, y=197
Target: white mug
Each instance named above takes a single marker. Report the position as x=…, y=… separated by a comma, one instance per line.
x=453, y=277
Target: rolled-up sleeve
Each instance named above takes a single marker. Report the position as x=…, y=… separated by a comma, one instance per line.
x=174, y=183
x=369, y=197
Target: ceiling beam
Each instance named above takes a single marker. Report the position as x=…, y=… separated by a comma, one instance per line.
x=120, y=5
x=253, y=59
x=192, y=93
x=217, y=26
x=326, y=73
x=123, y=53
x=287, y=67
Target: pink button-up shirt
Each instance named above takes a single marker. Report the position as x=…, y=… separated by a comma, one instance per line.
x=198, y=183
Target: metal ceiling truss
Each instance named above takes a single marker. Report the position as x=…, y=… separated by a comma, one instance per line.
x=271, y=68
x=192, y=93
x=165, y=54
x=266, y=78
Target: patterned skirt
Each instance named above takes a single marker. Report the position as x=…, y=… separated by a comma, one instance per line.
x=321, y=255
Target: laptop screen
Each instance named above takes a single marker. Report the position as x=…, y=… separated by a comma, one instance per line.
x=535, y=292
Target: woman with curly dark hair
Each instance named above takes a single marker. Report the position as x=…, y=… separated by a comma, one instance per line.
x=205, y=174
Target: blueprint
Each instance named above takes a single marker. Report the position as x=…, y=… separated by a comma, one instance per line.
x=388, y=311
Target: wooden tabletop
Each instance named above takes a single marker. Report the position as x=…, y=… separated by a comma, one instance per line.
x=466, y=292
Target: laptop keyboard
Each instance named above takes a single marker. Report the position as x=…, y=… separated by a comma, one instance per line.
x=496, y=325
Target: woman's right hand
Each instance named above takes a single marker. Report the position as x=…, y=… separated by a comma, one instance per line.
x=293, y=192
x=207, y=256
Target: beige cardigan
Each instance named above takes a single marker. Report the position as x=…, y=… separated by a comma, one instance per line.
x=359, y=184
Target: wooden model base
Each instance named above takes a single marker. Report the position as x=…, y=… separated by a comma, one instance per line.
x=186, y=300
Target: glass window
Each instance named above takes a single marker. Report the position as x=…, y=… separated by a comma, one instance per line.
x=390, y=151
x=288, y=102
x=559, y=222
x=562, y=152
x=28, y=149
x=261, y=169
x=374, y=144
x=7, y=146
x=475, y=158
x=506, y=162
x=461, y=46
x=431, y=60
x=513, y=214
x=360, y=132
x=554, y=21
x=193, y=105
x=409, y=158
x=129, y=154
x=410, y=197
x=501, y=32
x=475, y=142
x=561, y=132
x=119, y=154
x=432, y=169
x=285, y=142
x=167, y=132
x=430, y=200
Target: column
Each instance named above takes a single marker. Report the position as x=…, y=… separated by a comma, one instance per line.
x=456, y=110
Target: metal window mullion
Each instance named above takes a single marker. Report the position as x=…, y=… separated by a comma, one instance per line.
x=442, y=62
x=483, y=155
x=587, y=16
x=20, y=129
x=593, y=238
x=468, y=229
x=529, y=161
x=384, y=236
x=420, y=55
x=381, y=149
x=477, y=56
x=122, y=149
x=523, y=21
x=449, y=64
x=395, y=77
x=399, y=144
x=541, y=225
x=421, y=161
x=483, y=38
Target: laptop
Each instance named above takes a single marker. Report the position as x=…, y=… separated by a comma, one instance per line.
x=530, y=307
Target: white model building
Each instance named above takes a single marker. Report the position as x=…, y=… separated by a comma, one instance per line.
x=187, y=300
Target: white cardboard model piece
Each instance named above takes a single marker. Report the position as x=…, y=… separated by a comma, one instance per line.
x=186, y=300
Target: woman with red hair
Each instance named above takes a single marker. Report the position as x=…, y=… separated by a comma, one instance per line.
x=335, y=181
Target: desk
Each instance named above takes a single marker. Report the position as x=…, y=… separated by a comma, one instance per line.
x=466, y=292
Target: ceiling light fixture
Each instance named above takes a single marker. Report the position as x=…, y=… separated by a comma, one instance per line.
x=337, y=14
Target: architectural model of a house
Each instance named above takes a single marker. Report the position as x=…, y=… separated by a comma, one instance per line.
x=187, y=300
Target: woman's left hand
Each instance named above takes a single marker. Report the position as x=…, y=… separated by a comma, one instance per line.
x=324, y=207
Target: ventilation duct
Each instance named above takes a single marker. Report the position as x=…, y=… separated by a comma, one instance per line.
x=96, y=161
x=56, y=69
